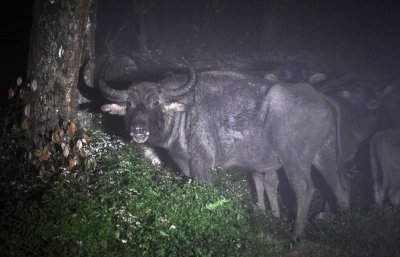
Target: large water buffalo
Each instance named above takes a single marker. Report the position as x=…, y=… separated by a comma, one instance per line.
x=295, y=72
x=222, y=119
x=359, y=114
x=385, y=165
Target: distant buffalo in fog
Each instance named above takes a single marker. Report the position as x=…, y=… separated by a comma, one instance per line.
x=295, y=72
x=385, y=165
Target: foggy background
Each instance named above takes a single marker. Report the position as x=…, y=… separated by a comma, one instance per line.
x=332, y=36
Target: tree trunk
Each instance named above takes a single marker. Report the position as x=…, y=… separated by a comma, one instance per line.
x=271, y=26
x=88, y=58
x=141, y=8
x=142, y=35
x=61, y=34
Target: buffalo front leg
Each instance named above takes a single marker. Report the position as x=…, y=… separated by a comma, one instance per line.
x=259, y=185
x=182, y=162
x=200, y=168
x=267, y=182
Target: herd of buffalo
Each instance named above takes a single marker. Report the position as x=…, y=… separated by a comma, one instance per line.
x=290, y=118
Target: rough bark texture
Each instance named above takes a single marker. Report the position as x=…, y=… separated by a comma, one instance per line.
x=270, y=25
x=61, y=30
x=88, y=57
x=88, y=51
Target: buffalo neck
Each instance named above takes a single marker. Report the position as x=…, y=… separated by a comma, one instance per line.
x=173, y=132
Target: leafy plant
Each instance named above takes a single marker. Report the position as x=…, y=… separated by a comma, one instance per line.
x=125, y=206
x=115, y=203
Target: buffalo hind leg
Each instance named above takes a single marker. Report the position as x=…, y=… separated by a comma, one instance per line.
x=394, y=194
x=299, y=177
x=378, y=175
x=336, y=179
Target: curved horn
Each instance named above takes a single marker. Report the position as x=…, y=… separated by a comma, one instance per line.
x=114, y=95
x=185, y=88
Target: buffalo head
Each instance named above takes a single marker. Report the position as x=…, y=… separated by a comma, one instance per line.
x=148, y=107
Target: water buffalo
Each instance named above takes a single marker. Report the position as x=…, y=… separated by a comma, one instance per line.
x=390, y=95
x=222, y=119
x=385, y=165
x=295, y=72
x=359, y=112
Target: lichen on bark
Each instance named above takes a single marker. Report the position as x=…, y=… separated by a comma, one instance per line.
x=57, y=41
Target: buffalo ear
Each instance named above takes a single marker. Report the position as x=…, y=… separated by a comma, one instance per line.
x=173, y=107
x=118, y=109
x=388, y=90
x=373, y=104
x=345, y=94
x=271, y=77
x=316, y=77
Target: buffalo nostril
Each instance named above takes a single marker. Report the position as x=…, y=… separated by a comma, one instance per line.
x=137, y=130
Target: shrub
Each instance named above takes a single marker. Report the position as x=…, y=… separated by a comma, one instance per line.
x=120, y=205
x=124, y=206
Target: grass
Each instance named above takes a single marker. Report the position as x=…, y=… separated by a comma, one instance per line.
x=122, y=207
x=115, y=203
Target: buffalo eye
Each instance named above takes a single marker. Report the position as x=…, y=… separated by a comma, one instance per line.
x=130, y=104
x=156, y=102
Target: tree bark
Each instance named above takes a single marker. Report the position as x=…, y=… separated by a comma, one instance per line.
x=271, y=24
x=88, y=59
x=141, y=8
x=62, y=31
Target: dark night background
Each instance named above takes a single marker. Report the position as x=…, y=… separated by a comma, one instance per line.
x=354, y=36
x=332, y=36
x=357, y=35
x=15, y=23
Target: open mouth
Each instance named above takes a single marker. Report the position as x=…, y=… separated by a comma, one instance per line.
x=140, y=138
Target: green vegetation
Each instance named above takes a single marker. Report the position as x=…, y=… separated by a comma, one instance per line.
x=123, y=207
x=375, y=233
x=115, y=203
